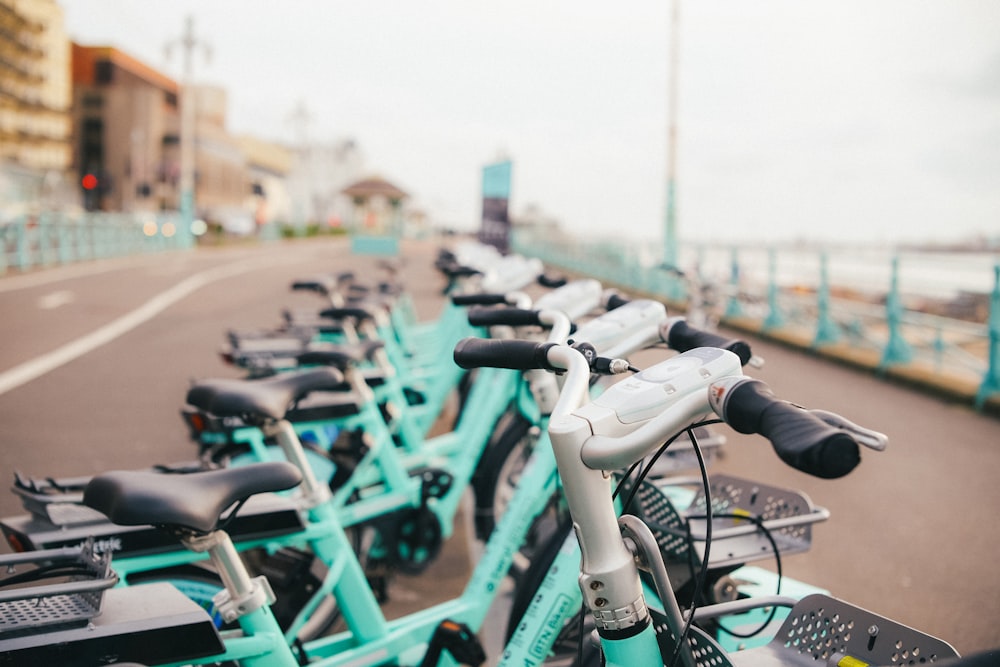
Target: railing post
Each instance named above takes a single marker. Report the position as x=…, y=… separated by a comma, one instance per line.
x=991, y=379
x=897, y=350
x=774, y=317
x=733, y=307
x=80, y=246
x=5, y=230
x=22, y=243
x=47, y=240
x=67, y=249
x=827, y=330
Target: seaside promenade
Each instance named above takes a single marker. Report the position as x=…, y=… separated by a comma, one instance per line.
x=96, y=358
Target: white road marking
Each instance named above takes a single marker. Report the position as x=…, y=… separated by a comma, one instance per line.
x=28, y=371
x=15, y=282
x=55, y=299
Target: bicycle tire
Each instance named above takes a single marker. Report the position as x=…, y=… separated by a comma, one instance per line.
x=493, y=477
x=497, y=477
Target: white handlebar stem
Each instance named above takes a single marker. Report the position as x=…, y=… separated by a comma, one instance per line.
x=518, y=299
x=630, y=419
x=558, y=322
x=609, y=579
x=577, y=380
x=544, y=385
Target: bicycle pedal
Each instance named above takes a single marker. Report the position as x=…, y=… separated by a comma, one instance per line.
x=459, y=641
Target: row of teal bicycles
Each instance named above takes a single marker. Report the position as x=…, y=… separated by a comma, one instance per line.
x=357, y=436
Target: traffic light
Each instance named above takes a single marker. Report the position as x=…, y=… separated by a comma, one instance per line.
x=95, y=187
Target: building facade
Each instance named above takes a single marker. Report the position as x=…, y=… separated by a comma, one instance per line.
x=35, y=98
x=127, y=150
x=93, y=126
x=222, y=185
x=268, y=165
x=125, y=118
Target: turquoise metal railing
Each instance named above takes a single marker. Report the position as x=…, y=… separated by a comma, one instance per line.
x=52, y=239
x=794, y=289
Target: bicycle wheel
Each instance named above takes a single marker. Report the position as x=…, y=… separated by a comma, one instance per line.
x=499, y=469
x=496, y=481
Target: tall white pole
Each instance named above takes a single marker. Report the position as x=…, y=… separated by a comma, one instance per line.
x=670, y=224
x=188, y=42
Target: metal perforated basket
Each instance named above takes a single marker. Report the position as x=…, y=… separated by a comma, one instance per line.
x=821, y=630
x=740, y=507
x=77, y=579
x=60, y=500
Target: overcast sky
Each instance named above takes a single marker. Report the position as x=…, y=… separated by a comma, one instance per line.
x=867, y=120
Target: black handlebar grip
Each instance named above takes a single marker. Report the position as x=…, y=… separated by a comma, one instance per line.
x=514, y=317
x=519, y=355
x=551, y=281
x=460, y=271
x=800, y=438
x=478, y=299
x=315, y=285
x=616, y=300
x=341, y=313
x=339, y=360
x=681, y=336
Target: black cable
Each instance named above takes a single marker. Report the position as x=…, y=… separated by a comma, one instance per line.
x=621, y=483
x=759, y=521
x=644, y=472
x=699, y=582
x=659, y=452
x=43, y=572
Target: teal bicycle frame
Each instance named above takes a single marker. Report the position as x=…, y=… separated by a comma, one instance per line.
x=370, y=637
x=381, y=481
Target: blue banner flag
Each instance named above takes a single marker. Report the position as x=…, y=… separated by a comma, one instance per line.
x=495, y=226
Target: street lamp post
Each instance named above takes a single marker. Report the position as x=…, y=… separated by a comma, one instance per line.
x=188, y=43
x=670, y=224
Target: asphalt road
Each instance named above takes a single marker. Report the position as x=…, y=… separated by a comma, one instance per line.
x=95, y=360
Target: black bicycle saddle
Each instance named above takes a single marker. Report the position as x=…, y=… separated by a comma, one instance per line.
x=193, y=501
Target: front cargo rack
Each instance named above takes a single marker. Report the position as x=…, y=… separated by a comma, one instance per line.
x=40, y=589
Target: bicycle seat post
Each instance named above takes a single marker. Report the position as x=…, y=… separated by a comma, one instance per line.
x=243, y=594
x=313, y=492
